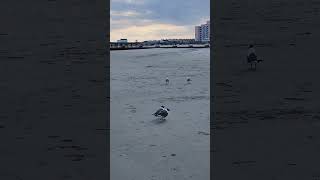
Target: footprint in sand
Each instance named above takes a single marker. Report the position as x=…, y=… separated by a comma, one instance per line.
x=131, y=108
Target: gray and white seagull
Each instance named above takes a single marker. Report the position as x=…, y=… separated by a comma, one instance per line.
x=162, y=112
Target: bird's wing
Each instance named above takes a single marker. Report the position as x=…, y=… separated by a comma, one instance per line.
x=164, y=112
x=157, y=112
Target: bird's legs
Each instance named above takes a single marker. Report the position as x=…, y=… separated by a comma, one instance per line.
x=162, y=118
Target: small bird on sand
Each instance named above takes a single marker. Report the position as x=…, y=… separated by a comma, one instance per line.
x=167, y=80
x=188, y=80
x=162, y=112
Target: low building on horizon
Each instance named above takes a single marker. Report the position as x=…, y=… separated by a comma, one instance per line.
x=122, y=41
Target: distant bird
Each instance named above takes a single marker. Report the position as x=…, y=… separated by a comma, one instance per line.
x=162, y=112
x=188, y=79
x=167, y=80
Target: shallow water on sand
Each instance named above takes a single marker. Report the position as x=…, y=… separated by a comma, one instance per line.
x=143, y=147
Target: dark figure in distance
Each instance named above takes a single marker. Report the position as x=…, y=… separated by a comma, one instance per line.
x=252, y=57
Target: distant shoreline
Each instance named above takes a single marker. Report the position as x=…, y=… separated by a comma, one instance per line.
x=132, y=48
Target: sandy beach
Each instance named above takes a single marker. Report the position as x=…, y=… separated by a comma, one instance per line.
x=267, y=121
x=142, y=147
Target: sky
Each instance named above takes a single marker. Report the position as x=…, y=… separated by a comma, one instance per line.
x=156, y=19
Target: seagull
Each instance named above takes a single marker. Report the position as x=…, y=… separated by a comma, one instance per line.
x=162, y=112
x=167, y=80
x=188, y=79
x=158, y=111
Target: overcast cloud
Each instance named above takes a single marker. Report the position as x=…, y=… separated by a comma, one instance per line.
x=156, y=19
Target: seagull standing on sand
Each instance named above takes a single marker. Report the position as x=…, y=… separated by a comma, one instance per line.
x=162, y=112
x=167, y=80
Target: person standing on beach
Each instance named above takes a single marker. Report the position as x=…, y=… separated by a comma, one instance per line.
x=251, y=56
x=251, y=50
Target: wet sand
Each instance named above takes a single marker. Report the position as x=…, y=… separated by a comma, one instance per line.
x=267, y=122
x=142, y=147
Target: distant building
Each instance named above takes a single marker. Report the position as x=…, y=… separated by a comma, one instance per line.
x=197, y=33
x=202, y=32
x=122, y=41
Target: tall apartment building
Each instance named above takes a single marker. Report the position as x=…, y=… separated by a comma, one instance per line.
x=202, y=32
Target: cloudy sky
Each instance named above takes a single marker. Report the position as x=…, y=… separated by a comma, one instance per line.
x=156, y=19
